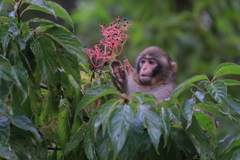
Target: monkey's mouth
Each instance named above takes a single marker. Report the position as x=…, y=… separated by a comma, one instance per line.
x=145, y=79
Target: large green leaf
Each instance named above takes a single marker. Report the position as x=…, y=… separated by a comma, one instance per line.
x=231, y=82
x=68, y=41
x=60, y=12
x=186, y=84
x=218, y=90
x=89, y=148
x=104, y=146
x=152, y=121
x=42, y=5
x=4, y=128
x=165, y=124
x=76, y=138
x=43, y=49
x=93, y=94
x=6, y=152
x=119, y=123
x=24, y=123
x=227, y=68
x=187, y=109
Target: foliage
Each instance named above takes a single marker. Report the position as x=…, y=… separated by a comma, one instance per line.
x=49, y=109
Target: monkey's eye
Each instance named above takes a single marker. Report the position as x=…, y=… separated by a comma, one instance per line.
x=142, y=61
x=152, y=61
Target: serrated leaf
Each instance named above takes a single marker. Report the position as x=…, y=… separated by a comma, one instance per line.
x=230, y=82
x=227, y=68
x=165, y=124
x=60, y=12
x=76, y=138
x=119, y=123
x=218, y=90
x=187, y=109
x=24, y=123
x=4, y=128
x=93, y=94
x=43, y=49
x=186, y=84
x=152, y=122
x=68, y=41
x=6, y=152
x=41, y=5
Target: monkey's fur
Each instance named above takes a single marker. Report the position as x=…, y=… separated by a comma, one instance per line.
x=154, y=73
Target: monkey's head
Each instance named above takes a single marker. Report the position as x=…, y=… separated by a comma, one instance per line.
x=154, y=65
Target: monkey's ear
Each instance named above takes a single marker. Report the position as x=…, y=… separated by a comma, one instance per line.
x=174, y=66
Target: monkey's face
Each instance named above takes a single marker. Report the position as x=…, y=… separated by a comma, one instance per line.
x=147, y=67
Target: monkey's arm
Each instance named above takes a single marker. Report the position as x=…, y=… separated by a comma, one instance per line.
x=118, y=71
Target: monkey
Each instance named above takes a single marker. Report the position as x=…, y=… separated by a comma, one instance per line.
x=154, y=73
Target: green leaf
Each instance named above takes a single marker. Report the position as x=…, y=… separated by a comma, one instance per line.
x=43, y=49
x=63, y=132
x=218, y=90
x=207, y=122
x=165, y=124
x=230, y=82
x=68, y=41
x=76, y=138
x=227, y=68
x=200, y=95
x=93, y=94
x=186, y=84
x=234, y=104
x=174, y=113
x=89, y=148
x=24, y=123
x=60, y=12
x=41, y=5
x=6, y=152
x=152, y=122
x=118, y=126
x=224, y=144
x=187, y=109
x=5, y=69
x=4, y=128
x=103, y=145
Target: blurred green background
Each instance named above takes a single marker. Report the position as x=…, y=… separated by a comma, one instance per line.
x=197, y=34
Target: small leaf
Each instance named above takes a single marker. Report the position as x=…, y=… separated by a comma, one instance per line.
x=24, y=123
x=93, y=94
x=118, y=126
x=174, y=113
x=6, y=152
x=187, y=109
x=200, y=95
x=60, y=12
x=4, y=128
x=186, y=84
x=76, y=138
x=227, y=68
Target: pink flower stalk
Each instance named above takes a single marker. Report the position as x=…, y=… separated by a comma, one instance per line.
x=114, y=36
x=96, y=55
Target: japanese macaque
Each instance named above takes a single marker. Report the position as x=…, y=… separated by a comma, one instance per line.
x=154, y=73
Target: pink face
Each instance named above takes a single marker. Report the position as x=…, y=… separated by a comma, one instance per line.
x=147, y=66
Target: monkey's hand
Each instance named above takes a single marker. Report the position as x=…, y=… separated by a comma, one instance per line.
x=118, y=71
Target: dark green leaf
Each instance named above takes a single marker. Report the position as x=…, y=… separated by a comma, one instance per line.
x=24, y=123
x=174, y=113
x=119, y=123
x=151, y=121
x=93, y=94
x=68, y=41
x=227, y=68
x=5, y=69
x=165, y=124
x=234, y=104
x=89, y=148
x=224, y=144
x=186, y=84
x=43, y=49
x=187, y=109
x=42, y=6
x=60, y=12
x=4, y=128
x=200, y=95
x=103, y=145
x=76, y=138
x=6, y=152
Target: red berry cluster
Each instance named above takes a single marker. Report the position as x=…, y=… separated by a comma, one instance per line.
x=114, y=40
